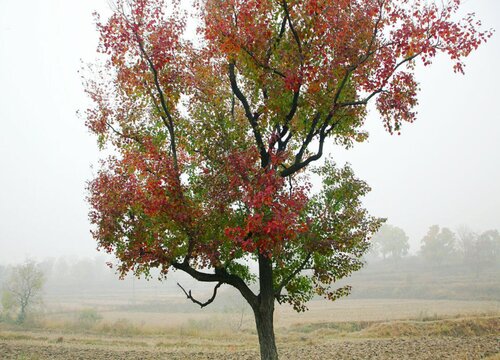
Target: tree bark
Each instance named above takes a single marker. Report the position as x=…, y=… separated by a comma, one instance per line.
x=264, y=311
x=265, y=330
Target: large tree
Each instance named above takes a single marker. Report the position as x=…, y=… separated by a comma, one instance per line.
x=212, y=138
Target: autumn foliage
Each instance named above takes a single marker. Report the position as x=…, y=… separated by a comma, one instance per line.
x=213, y=136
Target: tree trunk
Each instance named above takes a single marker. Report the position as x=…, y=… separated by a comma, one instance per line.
x=265, y=330
x=264, y=311
x=22, y=314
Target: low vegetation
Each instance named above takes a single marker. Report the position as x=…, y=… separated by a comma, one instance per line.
x=444, y=338
x=148, y=320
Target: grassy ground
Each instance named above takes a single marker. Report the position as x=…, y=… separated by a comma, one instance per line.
x=348, y=329
x=179, y=313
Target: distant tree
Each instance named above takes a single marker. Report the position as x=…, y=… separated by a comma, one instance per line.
x=391, y=242
x=23, y=289
x=439, y=245
x=466, y=239
x=487, y=249
x=3, y=274
x=479, y=251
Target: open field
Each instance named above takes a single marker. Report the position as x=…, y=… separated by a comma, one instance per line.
x=176, y=312
x=473, y=338
x=446, y=316
x=347, y=329
x=418, y=349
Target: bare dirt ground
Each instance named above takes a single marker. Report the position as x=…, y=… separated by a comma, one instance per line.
x=404, y=348
x=354, y=330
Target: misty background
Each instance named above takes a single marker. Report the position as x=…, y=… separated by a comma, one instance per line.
x=454, y=274
x=443, y=169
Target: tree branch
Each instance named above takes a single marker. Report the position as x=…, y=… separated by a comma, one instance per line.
x=252, y=118
x=298, y=164
x=293, y=109
x=206, y=303
x=380, y=89
x=277, y=41
x=286, y=280
x=220, y=275
x=122, y=135
x=292, y=28
x=369, y=52
x=261, y=64
x=163, y=102
x=308, y=139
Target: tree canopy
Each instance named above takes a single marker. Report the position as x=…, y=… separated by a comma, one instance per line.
x=212, y=138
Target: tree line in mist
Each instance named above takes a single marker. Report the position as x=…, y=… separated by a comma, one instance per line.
x=440, y=246
x=23, y=286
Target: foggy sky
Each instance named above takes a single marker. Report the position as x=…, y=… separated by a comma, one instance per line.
x=444, y=169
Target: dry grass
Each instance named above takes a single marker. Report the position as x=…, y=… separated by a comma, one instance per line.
x=481, y=326
x=467, y=330
x=384, y=310
x=493, y=357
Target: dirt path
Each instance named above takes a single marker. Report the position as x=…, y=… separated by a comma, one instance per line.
x=415, y=349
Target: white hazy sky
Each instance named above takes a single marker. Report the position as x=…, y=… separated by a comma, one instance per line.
x=444, y=169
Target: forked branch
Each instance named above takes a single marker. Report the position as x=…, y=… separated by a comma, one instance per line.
x=206, y=303
x=222, y=276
